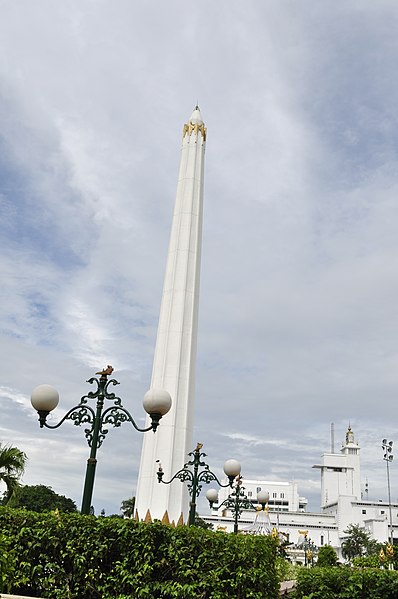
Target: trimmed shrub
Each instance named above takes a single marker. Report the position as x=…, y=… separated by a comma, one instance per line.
x=7, y=563
x=67, y=556
x=346, y=583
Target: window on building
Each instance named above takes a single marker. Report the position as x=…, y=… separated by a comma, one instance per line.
x=258, y=489
x=249, y=493
x=321, y=540
x=364, y=511
x=274, y=494
x=382, y=512
x=282, y=495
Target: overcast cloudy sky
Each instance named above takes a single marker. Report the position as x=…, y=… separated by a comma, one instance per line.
x=298, y=312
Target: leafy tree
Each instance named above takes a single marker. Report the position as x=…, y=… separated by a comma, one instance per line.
x=327, y=556
x=373, y=547
x=39, y=498
x=12, y=466
x=357, y=542
x=127, y=507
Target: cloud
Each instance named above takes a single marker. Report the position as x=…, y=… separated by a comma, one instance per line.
x=298, y=322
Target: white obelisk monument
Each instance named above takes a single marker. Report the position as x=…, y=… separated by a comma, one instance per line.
x=175, y=353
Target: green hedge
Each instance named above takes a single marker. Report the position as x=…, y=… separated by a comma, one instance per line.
x=346, y=583
x=68, y=556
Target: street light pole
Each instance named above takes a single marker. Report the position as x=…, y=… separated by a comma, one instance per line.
x=237, y=501
x=305, y=551
x=388, y=457
x=195, y=478
x=45, y=398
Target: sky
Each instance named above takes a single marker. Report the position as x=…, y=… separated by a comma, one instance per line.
x=298, y=321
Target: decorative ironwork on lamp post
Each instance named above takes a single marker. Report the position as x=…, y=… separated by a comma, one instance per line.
x=388, y=457
x=45, y=398
x=237, y=501
x=196, y=478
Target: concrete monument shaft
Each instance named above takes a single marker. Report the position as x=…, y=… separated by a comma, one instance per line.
x=175, y=353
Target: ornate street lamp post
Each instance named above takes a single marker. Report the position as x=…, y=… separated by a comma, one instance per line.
x=309, y=550
x=195, y=478
x=237, y=501
x=388, y=457
x=45, y=398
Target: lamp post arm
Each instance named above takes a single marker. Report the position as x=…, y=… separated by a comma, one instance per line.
x=80, y=414
x=246, y=504
x=237, y=506
x=116, y=415
x=194, y=479
x=207, y=476
x=228, y=502
x=183, y=475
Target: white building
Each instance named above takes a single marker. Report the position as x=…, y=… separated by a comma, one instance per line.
x=341, y=494
x=340, y=472
x=341, y=504
x=283, y=496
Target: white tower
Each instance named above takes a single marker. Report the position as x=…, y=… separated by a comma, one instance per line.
x=341, y=472
x=175, y=353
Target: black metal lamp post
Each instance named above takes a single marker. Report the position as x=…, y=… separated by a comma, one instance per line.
x=309, y=552
x=195, y=478
x=45, y=398
x=237, y=501
x=388, y=457
x=309, y=548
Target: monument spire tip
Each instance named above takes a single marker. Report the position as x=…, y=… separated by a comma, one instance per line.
x=196, y=116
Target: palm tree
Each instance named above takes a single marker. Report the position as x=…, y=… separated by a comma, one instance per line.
x=12, y=466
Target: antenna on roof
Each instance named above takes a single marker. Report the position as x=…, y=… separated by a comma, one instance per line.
x=332, y=437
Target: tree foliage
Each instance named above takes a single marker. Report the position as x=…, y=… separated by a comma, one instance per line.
x=326, y=556
x=357, y=543
x=12, y=466
x=60, y=556
x=39, y=498
x=127, y=507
